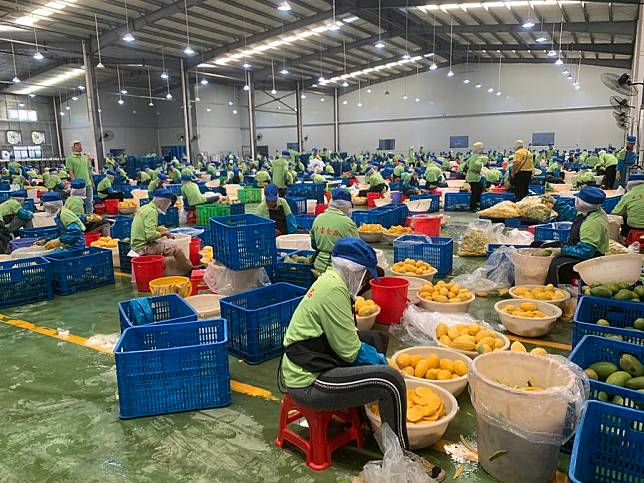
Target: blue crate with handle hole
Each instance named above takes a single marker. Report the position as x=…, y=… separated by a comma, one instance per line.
x=174, y=367
x=558, y=231
x=297, y=204
x=305, y=222
x=299, y=274
x=82, y=269
x=126, y=262
x=610, y=203
x=25, y=281
x=155, y=310
x=45, y=232
x=437, y=251
x=242, y=242
x=457, y=201
x=310, y=191
x=122, y=226
x=619, y=313
x=491, y=199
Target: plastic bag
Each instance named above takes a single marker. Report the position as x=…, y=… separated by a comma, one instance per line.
x=224, y=281
x=187, y=230
x=514, y=236
x=549, y=416
x=498, y=272
x=476, y=238
x=418, y=326
x=396, y=464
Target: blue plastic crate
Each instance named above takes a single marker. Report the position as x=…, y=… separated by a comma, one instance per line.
x=143, y=201
x=305, y=222
x=610, y=203
x=97, y=178
x=43, y=232
x=4, y=195
x=171, y=368
x=163, y=309
x=202, y=186
x=387, y=216
x=242, y=242
x=436, y=251
x=29, y=204
x=126, y=262
x=171, y=218
x=491, y=199
x=537, y=189
x=175, y=188
x=538, y=180
x=491, y=247
x=609, y=445
x=206, y=239
x=83, y=269
x=258, y=319
x=310, y=191
x=387, y=172
x=297, y=204
x=565, y=207
x=593, y=349
x=394, y=186
x=435, y=204
x=5, y=186
x=619, y=313
x=558, y=231
x=25, y=281
x=122, y=227
x=299, y=274
x=457, y=201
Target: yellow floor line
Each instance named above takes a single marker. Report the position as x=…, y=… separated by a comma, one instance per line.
x=122, y=274
x=547, y=343
x=236, y=386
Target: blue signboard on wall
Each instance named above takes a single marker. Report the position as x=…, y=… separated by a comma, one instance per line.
x=387, y=144
x=458, y=142
x=543, y=138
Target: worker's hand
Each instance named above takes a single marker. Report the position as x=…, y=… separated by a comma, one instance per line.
x=162, y=229
x=53, y=244
x=40, y=242
x=169, y=235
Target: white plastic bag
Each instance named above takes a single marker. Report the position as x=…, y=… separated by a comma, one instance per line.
x=396, y=465
x=498, y=272
x=417, y=326
x=224, y=281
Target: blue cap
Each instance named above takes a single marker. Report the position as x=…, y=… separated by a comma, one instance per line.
x=110, y=172
x=186, y=177
x=162, y=176
x=19, y=194
x=50, y=196
x=631, y=139
x=164, y=193
x=235, y=169
x=636, y=177
x=357, y=251
x=77, y=184
x=286, y=153
x=341, y=194
x=271, y=192
x=592, y=195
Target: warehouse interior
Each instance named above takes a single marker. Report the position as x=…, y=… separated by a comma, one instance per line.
x=209, y=81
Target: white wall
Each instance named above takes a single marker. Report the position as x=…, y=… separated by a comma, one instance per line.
x=219, y=130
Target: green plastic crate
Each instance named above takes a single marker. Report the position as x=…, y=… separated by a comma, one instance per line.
x=250, y=195
x=207, y=211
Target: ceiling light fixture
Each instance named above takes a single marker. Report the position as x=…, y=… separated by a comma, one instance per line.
x=246, y=65
x=565, y=72
x=230, y=103
x=284, y=71
x=151, y=104
x=203, y=81
x=62, y=113
x=284, y=6
x=188, y=50
x=273, y=90
x=74, y=98
x=466, y=81
x=498, y=93
x=559, y=61
x=32, y=95
x=208, y=109
x=168, y=96
x=498, y=88
x=491, y=90
x=121, y=101
x=98, y=45
x=123, y=91
x=345, y=84
x=450, y=73
x=16, y=79
x=541, y=40
x=380, y=44
x=303, y=96
x=246, y=87
x=467, y=66
x=528, y=24
x=234, y=111
x=344, y=102
x=406, y=56
x=321, y=99
x=164, y=73
x=368, y=90
x=433, y=66
x=552, y=53
x=128, y=37
x=405, y=97
x=334, y=25
x=478, y=85
x=81, y=87
x=37, y=55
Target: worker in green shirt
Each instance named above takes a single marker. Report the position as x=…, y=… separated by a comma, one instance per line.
x=493, y=176
x=631, y=206
x=280, y=168
x=585, y=177
x=277, y=209
x=122, y=173
x=551, y=153
x=610, y=171
x=147, y=236
x=54, y=182
x=14, y=166
x=433, y=175
x=142, y=177
x=592, y=160
x=399, y=169
x=78, y=166
x=70, y=227
x=76, y=204
x=13, y=217
x=375, y=181
x=192, y=196
x=328, y=364
x=62, y=173
x=330, y=226
x=105, y=190
x=588, y=236
x=157, y=182
x=474, y=165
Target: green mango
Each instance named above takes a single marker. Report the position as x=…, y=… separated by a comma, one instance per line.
x=619, y=378
x=591, y=374
x=602, y=396
x=636, y=383
x=603, y=369
x=632, y=365
x=635, y=299
x=639, y=323
x=619, y=400
x=587, y=290
x=601, y=292
x=622, y=285
x=603, y=322
x=624, y=294
x=615, y=337
x=639, y=291
x=613, y=287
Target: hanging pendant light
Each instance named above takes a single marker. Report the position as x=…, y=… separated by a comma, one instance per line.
x=128, y=37
x=16, y=79
x=188, y=50
x=37, y=55
x=450, y=73
x=284, y=6
x=151, y=104
x=380, y=44
x=98, y=45
x=273, y=91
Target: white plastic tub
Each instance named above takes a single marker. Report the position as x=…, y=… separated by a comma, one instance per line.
x=424, y=434
x=206, y=305
x=559, y=302
x=610, y=269
x=446, y=308
x=530, y=269
x=525, y=326
x=296, y=241
x=472, y=354
x=454, y=386
x=366, y=322
x=30, y=252
x=41, y=220
x=181, y=241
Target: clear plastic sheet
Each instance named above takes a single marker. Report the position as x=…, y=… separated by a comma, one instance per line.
x=476, y=238
x=549, y=416
x=396, y=465
x=187, y=230
x=224, y=281
x=418, y=326
x=498, y=272
x=513, y=236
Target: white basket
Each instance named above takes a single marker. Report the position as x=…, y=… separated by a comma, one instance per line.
x=381, y=202
x=206, y=305
x=454, y=386
x=446, y=308
x=423, y=435
x=295, y=241
x=30, y=252
x=455, y=183
x=610, y=269
x=427, y=278
x=366, y=322
x=419, y=205
x=472, y=354
x=530, y=269
x=370, y=236
x=140, y=194
x=525, y=326
x=5, y=258
x=559, y=303
x=414, y=285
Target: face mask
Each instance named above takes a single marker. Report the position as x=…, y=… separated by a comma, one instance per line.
x=352, y=273
x=52, y=207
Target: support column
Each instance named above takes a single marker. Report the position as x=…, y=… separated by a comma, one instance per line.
x=252, y=129
x=336, y=121
x=57, y=125
x=91, y=94
x=637, y=75
x=298, y=116
x=185, y=96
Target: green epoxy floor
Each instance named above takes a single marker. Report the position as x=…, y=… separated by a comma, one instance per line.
x=60, y=412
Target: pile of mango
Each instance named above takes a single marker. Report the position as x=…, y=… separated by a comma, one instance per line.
x=431, y=367
x=469, y=337
x=412, y=267
x=619, y=291
x=302, y=260
x=206, y=255
x=517, y=346
x=444, y=293
x=629, y=374
x=398, y=230
x=371, y=228
x=548, y=292
x=365, y=308
x=105, y=242
x=423, y=406
x=528, y=386
x=638, y=324
x=129, y=204
x=528, y=310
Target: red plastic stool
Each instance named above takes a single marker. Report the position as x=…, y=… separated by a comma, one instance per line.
x=196, y=279
x=191, y=216
x=318, y=448
x=634, y=235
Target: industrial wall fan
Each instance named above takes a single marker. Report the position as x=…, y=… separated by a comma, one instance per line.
x=621, y=84
x=107, y=135
x=620, y=104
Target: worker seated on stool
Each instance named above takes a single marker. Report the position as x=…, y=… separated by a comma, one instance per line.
x=330, y=226
x=329, y=365
x=76, y=203
x=105, y=190
x=13, y=217
x=588, y=236
x=157, y=182
x=146, y=237
x=53, y=182
x=411, y=185
x=69, y=225
x=278, y=210
x=192, y=196
x=375, y=181
x=631, y=206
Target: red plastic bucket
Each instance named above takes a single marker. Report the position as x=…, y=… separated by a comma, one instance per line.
x=111, y=207
x=429, y=225
x=531, y=228
x=91, y=237
x=390, y=293
x=99, y=208
x=146, y=269
x=499, y=190
x=195, y=246
x=371, y=199
x=320, y=208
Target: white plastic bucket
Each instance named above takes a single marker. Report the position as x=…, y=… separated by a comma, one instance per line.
x=231, y=191
x=116, y=260
x=530, y=269
x=41, y=220
x=206, y=305
x=295, y=241
x=614, y=226
x=503, y=412
x=310, y=206
x=183, y=242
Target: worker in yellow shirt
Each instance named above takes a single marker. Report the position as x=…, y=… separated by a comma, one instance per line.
x=522, y=167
